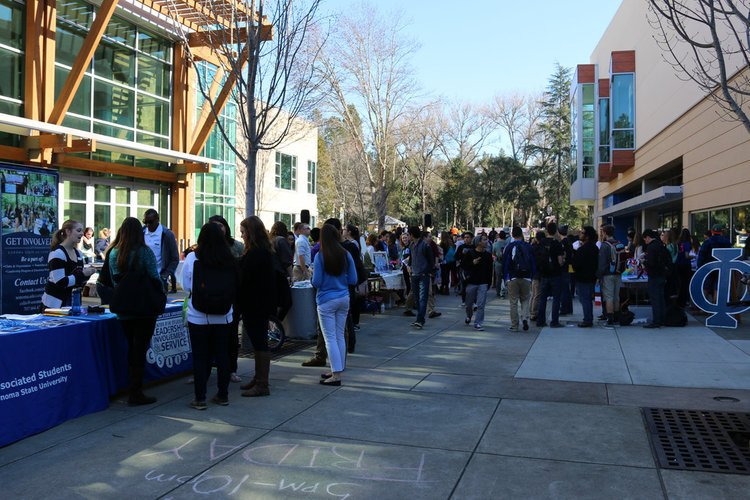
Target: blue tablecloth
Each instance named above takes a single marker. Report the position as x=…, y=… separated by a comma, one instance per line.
x=55, y=369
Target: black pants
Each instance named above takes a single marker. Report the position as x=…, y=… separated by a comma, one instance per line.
x=234, y=340
x=138, y=331
x=210, y=342
x=355, y=305
x=256, y=329
x=445, y=275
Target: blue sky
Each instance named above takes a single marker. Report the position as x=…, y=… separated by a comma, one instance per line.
x=475, y=49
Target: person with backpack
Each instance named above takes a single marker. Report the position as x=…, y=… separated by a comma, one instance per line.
x=210, y=275
x=333, y=273
x=657, y=264
x=259, y=298
x=536, y=282
x=585, y=265
x=498, y=252
x=612, y=260
x=552, y=261
x=519, y=269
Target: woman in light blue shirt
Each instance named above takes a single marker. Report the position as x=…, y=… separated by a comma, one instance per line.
x=333, y=273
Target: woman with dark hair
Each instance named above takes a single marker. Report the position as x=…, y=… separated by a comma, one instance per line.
x=128, y=253
x=257, y=299
x=237, y=248
x=585, y=261
x=87, y=245
x=65, y=264
x=281, y=246
x=333, y=274
x=210, y=328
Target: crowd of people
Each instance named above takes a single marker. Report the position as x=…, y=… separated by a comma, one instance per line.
x=229, y=280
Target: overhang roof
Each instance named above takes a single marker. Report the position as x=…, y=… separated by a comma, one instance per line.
x=654, y=198
x=26, y=127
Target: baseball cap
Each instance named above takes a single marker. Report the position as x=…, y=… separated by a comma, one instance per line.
x=717, y=228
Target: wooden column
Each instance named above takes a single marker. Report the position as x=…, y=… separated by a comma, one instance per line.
x=39, y=75
x=182, y=204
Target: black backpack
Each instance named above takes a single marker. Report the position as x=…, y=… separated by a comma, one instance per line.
x=214, y=288
x=520, y=266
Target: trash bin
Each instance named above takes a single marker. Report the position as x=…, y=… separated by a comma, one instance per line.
x=300, y=321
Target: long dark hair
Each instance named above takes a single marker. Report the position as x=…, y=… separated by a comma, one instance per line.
x=212, y=249
x=129, y=238
x=334, y=255
x=278, y=229
x=218, y=219
x=257, y=236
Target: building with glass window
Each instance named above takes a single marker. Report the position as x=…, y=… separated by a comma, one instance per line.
x=103, y=94
x=650, y=149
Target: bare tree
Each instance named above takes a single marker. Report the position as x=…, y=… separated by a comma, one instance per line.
x=708, y=41
x=519, y=117
x=466, y=129
x=368, y=69
x=260, y=57
x=419, y=137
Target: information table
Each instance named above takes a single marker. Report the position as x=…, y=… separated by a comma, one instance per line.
x=55, y=369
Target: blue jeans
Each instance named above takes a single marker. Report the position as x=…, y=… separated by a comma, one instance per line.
x=332, y=316
x=421, y=286
x=586, y=296
x=655, y=287
x=550, y=287
x=476, y=294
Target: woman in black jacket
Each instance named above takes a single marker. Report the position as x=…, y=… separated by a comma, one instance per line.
x=257, y=299
x=585, y=261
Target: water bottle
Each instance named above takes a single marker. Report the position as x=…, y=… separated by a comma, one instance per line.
x=75, y=308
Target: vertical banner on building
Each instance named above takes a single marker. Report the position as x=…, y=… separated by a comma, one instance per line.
x=28, y=205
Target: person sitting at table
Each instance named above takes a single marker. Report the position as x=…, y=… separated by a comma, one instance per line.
x=129, y=251
x=65, y=263
x=210, y=330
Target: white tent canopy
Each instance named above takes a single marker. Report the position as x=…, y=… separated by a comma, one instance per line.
x=389, y=221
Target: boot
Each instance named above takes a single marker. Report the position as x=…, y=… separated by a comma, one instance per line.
x=135, y=389
x=262, y=367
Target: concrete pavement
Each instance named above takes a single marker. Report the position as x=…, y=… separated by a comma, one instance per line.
x=443, y=412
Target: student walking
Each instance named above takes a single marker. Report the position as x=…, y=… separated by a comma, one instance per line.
x=333, y=273
x=477, y=283
x=519, y=269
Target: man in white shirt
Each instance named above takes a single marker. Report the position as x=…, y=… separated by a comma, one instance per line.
x=163, y=243
x=301, y=270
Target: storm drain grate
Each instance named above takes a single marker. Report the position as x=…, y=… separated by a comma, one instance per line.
x=700, y=440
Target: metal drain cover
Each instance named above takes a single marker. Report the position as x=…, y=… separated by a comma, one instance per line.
x=700, y=440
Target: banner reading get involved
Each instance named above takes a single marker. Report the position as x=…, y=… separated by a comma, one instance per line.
x=29, y=215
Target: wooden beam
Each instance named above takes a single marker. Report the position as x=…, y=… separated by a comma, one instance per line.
x=39, y=73
x=193, y=168
x=46, y=141
x=164, y=9
x=63, y=160
x=15, y=154
x=83, y=59
x=78, y=146
x=206, y=125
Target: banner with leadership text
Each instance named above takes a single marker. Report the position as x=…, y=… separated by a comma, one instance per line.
x=28, y=206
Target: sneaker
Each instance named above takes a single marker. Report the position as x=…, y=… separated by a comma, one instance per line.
x=585, y=325
x=541, y=325
x=198, y=405
x=417, y=324
x=555, y=325
x=525, y=326
x=478, y=327
x=651, y=325
x=434, y=314
x=409, y=312
x=357, y=327
x=467, y=320
x=314, y=361
x=233, y=377
x=220, y=401
x=513, y=328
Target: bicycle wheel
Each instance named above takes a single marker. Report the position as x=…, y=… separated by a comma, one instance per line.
x=276, y=335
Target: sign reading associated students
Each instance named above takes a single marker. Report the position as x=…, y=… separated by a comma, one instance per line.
x=29, y=214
